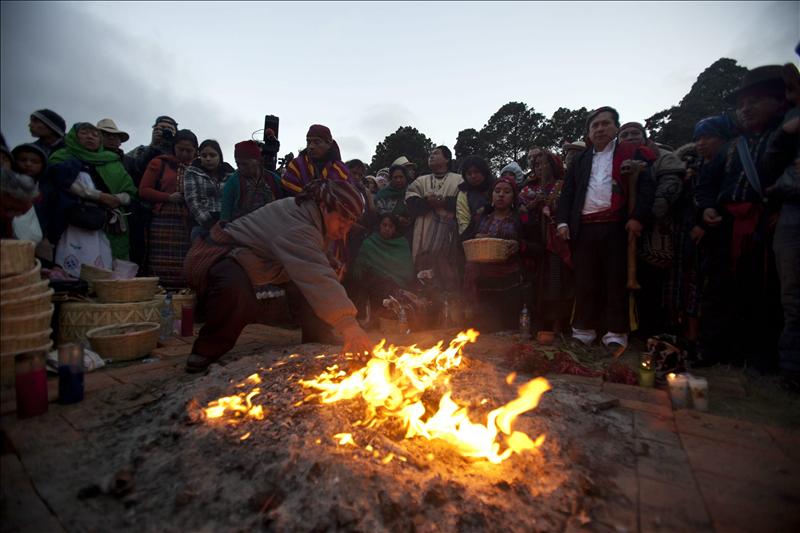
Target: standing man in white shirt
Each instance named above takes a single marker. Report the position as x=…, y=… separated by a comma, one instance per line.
x=592, y=215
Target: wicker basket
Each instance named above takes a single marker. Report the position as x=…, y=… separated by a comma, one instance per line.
x=29, y=305
x=10, y=344
x=90, y=274
x=25, y=324
x=77, y=318
x=486, y=250
x=16, y=257
x=123, y=342
x=11, y=295
x=125, y=290
x=22, y=280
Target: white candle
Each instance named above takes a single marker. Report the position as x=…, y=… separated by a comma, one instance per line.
x=678, y=390
x=699, y=390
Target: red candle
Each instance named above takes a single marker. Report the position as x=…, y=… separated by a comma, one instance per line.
x=187, y=321
x=31, y=385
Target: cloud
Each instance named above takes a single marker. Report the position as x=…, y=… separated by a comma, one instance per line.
x=58, y=57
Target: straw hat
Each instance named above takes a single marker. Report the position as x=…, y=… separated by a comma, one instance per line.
x=109, y=126
x=403, y=160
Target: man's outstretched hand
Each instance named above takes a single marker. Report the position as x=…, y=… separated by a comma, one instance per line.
x=357, y=343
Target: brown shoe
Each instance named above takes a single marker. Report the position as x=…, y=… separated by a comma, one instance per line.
x=196, y=363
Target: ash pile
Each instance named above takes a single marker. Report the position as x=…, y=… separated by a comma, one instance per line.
x=286, y=461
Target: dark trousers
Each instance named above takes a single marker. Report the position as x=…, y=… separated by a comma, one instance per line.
x=601, y=296
x=230, y=304
x=740, y=316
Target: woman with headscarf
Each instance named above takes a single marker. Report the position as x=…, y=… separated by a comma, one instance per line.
x=683, y=288
x=284, y=243
x=162, y=184
x=474, y=195
x=320, y=159
x=494, y=290
x=91, y=188
x=202, y=186
x=551, y=268
x=392, y=199
x=248, y=188
x=384, y=262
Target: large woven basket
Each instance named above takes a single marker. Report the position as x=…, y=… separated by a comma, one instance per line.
x=22, y=280
x=16, y=257
x=10, y=344
x=486, y=250
x=125, y=290
x=29, y=305
x=75, y=319
x=25, y=324
x=123, y=342
x=10, y=295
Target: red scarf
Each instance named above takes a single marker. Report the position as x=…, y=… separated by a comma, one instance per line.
x=619, y=186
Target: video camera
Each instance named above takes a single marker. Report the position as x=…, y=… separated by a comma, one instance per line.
x=271, y=145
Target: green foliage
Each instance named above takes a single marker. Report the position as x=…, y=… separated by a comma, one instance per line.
x=674, y=126
x=566, y=125
x=469, y=142
x=405, y=141
x=510, y=132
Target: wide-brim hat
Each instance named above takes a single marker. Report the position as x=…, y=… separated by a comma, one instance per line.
x=403, y=160
x=575, y=145
x=767, y=77
x=107, y=125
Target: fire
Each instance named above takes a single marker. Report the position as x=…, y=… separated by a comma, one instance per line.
x=238, y=405
x=392, y=384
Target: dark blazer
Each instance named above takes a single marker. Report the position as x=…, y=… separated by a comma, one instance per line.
x=573, y=195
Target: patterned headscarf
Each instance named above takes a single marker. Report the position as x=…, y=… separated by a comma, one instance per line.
x=334, y=195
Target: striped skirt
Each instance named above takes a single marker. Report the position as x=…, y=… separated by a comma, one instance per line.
x=168, y=243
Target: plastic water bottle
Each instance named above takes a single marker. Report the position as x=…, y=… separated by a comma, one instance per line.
x=524, y=324
x=402, y=319
x=167, y=320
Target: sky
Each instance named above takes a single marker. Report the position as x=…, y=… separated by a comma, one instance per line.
x=364, y=69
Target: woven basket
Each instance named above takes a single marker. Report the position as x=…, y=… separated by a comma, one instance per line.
x=24, y=343
x=123, y=342
x=11, y=295
x=77, y=318
x=22, y=280
x=29, y=305
x=16, y=257
x=125, y=290
x=486, y=250
x=91, y=273
x=25, y=324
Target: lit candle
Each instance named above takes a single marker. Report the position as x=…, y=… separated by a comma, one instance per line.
x=647, y=375
x=699, y=390
x=678, y=390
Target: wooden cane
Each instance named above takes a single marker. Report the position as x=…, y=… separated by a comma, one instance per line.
x=633, y=180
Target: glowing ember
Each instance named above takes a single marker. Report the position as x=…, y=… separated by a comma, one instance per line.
x=392, y=384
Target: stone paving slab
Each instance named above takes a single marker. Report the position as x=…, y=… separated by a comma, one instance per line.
x=22, y=510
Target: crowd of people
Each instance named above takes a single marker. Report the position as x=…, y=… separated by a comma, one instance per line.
x=617, y=233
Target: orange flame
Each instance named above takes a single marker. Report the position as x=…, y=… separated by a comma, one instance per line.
x=392, y=384
x=238, y=405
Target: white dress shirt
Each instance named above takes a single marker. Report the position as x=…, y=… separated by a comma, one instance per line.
x=598, y=193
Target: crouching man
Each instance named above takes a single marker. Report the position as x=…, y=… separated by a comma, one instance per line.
x=283, y=243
